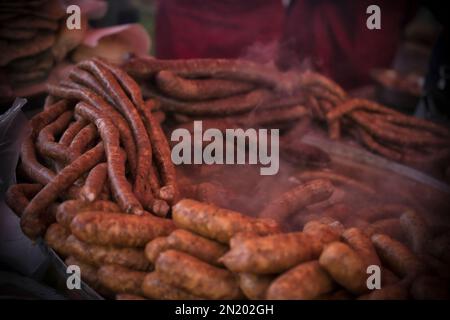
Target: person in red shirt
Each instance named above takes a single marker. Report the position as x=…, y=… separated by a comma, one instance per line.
x=332, y=35
x=215, y=28
x=336, y=39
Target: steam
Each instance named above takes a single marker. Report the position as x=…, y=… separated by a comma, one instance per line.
x=240, y=187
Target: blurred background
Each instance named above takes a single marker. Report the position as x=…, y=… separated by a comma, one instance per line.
x=403, y=65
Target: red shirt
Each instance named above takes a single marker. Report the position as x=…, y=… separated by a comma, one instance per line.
x=331, y=34
x=215, y=28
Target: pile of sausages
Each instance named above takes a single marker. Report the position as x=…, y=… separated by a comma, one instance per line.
x=97, y=182
x=220, y=92
x=382, y=130
x=408, y=246
x=32, y=40
x=392, y=134
x=221, y=254
x=96, y=139
x=214, y=253
x=106, y=243
x=328, y=260
x=243, y=93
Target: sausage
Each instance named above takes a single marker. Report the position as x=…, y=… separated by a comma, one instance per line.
x=70, y=133
x=385, y=211
x=159, y=145
x=18, y=195
x=231, y=105
x=100, y=255
x=94, y=182
x=199, y=89
x=118, y=229
x=362, y=245
x=229, y=69
x=395, y=134
x=337, y=197
x=297, y=198
x=83, y=94
x=56, y=237
x=325, y=229
x=396, y=256
x=314, y=105
x=120, y=279
x=390, y=227
x=46, y=144
x=401, y=119
x=338, y=179
x=312, y=80
x=88, y=80
x=241, y=236
x=115, y=158
x=159, y=116
x=197, y=277
x=131, y=114
x=82, y=141
x=408, y=135
x=155, y=247
x=304, y=282
x=155, y=288
x=30, y=164
x=254, y=286
x=375, y=146
x=212, y=193
x=32, y=222
x=45, y=117
x=416, y=230
x=281, y=251
x=162, y=153
x=67, y=210
x=88, y=275
x=350, y=105
x=345, y=266
x=196, y=246
x=217, y=223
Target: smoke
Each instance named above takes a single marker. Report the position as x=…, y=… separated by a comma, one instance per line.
x=243, y=189
x=278, y=54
